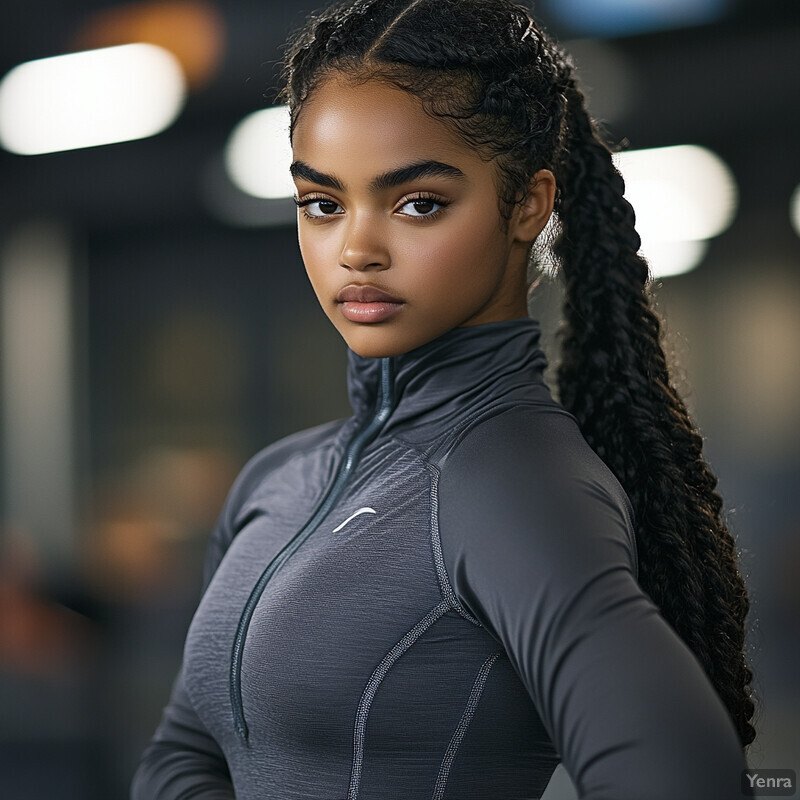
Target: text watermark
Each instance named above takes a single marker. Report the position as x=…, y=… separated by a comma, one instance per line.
x=769, y=782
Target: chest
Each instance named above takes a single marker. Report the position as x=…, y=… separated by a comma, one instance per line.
x=361, y=577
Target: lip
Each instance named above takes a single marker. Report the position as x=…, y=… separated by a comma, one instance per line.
x=369, y=312
x=364, y=293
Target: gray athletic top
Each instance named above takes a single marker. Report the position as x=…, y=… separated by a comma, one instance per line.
x=435, y=598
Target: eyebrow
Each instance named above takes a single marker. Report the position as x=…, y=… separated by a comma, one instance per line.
x=387, y=180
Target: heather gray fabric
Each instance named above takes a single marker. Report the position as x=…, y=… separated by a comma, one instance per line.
x=460, y=614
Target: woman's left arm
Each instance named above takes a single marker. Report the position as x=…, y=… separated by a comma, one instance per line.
x=538, y=542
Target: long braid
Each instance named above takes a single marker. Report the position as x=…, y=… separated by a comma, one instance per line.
x=483, y=67
x=614, y=378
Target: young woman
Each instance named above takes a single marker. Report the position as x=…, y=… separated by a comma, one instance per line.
x=466, y=581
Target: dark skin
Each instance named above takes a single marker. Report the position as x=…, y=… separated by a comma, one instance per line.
x=433, y=241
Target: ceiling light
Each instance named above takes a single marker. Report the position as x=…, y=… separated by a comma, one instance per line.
x=90, y=98
x=667, y=259
x=679, y=193
x=258, y=154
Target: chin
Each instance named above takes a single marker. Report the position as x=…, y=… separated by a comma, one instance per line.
x=371, y=341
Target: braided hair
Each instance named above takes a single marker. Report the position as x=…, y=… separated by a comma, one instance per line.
x=484, y=68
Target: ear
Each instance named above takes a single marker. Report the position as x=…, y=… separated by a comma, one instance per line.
x=532, y=215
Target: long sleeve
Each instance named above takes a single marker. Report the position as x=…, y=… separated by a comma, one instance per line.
x=537, y=538
x=183, y=760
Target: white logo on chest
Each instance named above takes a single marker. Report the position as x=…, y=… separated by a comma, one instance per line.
x=360, y=511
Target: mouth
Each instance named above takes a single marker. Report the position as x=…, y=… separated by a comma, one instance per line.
x=364, y=303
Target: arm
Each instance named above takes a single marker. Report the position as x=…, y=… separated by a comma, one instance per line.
x=183, y=760
x=538, y=541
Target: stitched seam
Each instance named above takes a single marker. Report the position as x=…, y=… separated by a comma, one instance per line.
x=463, y=724
x=448, y=444
x=372, y=687
x=445, y=586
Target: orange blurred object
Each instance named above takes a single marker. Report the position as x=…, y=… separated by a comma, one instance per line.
x=38, y=637
x=192, y=30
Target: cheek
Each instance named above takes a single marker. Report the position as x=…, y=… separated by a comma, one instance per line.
x=472, y=230
x=460, y=251
x=315, y=256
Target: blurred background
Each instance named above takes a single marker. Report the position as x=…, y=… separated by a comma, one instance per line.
x=157, y=327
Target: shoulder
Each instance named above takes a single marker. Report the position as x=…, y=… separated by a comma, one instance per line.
x=538, y=448
x=524, y=485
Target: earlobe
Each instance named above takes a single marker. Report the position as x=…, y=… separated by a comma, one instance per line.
x=535, y=211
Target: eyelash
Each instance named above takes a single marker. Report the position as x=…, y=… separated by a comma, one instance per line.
x=417, y=198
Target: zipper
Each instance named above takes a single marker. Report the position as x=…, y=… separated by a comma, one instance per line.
x=360, y=440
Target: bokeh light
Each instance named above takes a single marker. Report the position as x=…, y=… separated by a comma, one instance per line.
x=95, y=97
x=258, y=154
x=625, y=17
x=192, y=30
x=794, y=210
x=682, y=195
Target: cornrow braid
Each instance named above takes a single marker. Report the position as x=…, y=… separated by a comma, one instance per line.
x=509, y=91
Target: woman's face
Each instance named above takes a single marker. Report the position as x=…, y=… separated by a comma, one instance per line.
x=390, y=198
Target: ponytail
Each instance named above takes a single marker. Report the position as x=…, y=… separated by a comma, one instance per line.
x=613, y=378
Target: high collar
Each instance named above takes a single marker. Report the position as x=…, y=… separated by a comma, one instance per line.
x=456, y=372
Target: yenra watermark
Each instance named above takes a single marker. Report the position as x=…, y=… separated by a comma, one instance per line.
x=769, y=782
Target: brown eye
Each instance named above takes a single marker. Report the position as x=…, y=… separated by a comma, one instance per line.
x=327, y=208
x=423, y=207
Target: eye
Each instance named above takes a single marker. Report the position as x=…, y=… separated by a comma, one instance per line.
x=326, y=207
x=423, y=206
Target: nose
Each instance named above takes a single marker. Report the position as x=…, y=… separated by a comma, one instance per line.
x=364, y=244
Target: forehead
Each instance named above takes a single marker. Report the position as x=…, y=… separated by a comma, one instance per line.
x=372, y=121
